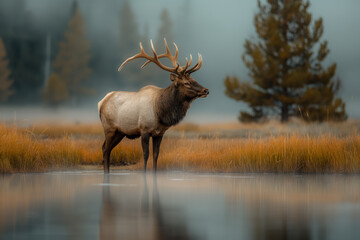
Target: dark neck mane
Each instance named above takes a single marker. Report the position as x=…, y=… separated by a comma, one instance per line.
x=171, y=106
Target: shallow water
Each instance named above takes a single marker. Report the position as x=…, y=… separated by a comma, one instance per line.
x=176, y=205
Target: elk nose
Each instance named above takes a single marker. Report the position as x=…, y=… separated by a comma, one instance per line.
x=206, y=91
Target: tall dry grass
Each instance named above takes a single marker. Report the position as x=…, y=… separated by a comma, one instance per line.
x=221, y=130
x=49, y=130
x=23, y=150
x=291, y=153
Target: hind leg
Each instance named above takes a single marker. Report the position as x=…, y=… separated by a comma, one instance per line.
x=112, y=138
x=103, y=150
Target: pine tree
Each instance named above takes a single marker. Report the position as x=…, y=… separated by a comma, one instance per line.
x=165, y=30
x=129, y=35
x=5, y=82
x=72, y=61
x=24, y=49
x=151, y=73
x=285, y=65
x=56, y=91
x=129, y=42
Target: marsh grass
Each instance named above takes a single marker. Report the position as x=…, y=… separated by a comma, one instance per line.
x=41, y=149
x=221, y=130
x=23, y=151
x=293, y=153
x=49, y=130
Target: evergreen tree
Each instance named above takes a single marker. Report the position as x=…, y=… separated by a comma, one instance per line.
x=151, y=73
x=165, y=31
x=155, y=74
x=56, y=91
x=129, y=35
x=129, y=44
x=24, y=50
x=5, y=82
x=71, y=64
x=285, y=65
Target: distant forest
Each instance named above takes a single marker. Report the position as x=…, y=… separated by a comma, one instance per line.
x=32, y=46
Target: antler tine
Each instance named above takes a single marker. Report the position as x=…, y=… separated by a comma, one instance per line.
x=197, y=66
x=166, y=46
x=190, y=60
x=176, y=51
x=133, y=57
x=184, y=68
x=153, y=49
x=201, y=62
x=188, y=64
x=172, y=58
x=154, y=59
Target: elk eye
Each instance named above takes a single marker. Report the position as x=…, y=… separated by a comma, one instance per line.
x=187, y=85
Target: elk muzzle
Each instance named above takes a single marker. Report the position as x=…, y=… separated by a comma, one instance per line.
x=204, y=93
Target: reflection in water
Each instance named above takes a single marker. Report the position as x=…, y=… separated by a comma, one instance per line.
x=277, y=223
x=131, y=205
x=149, y=221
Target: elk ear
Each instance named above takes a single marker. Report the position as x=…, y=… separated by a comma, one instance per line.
x=173, y=77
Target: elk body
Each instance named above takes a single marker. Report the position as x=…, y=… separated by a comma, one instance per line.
x=149, y=112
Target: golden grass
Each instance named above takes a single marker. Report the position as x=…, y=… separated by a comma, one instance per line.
x=221, y=130
x=275, y=154
x=61, y=130
x=24, y=150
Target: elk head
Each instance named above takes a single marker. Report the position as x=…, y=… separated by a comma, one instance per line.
x=180, y=75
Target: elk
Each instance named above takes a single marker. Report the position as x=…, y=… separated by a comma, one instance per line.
x=152, y=110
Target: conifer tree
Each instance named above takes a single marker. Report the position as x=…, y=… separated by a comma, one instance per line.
x=56, y=91
x=151, y=73
x=5, y=82
x=129, y=43
x=165, y=30
x=129, y=35
x=285, y=64
x=71, y=64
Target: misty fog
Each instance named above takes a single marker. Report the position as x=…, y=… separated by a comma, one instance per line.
x=216, y=29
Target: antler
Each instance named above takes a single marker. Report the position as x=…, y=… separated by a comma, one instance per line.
x=154, y=59
x=173, y=58
x=197, y=66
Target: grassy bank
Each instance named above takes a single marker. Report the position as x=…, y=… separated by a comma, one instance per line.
x=34, y=149
x=24, y=151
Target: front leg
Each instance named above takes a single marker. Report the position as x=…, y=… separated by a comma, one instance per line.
x=156, y=148
x=145, y=146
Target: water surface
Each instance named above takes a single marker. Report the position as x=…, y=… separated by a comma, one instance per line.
x=177, y=205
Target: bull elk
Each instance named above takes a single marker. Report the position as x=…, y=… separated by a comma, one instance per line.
x=152, y=110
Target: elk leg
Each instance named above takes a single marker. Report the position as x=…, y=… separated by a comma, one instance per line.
x=156, y=148
x=103, y=150
x=111, y=140
x=145, y=146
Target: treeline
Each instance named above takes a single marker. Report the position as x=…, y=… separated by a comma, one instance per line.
x=63, y=63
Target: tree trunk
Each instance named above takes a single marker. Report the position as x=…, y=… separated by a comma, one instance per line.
x=284, y=113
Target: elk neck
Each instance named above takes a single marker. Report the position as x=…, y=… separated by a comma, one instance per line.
x=171, y=106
